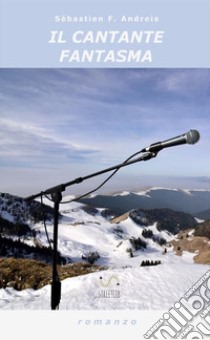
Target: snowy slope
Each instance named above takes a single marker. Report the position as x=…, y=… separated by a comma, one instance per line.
x=149, y=288
x=79, y=233
x=126, y=284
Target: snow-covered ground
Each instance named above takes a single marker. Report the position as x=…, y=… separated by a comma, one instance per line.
x=126, y=285
x=148, y=288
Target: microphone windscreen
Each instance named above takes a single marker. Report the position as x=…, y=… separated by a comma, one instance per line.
x=193, y=137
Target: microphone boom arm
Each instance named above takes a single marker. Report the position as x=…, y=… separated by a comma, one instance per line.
x=56, y=195
x=78, y=180
x=190, y=137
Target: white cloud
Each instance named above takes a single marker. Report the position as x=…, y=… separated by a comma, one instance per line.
x=24, y=139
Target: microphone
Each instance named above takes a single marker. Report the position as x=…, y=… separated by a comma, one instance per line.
x=191, y=137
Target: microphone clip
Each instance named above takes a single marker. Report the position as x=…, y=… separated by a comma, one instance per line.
x=148, y=155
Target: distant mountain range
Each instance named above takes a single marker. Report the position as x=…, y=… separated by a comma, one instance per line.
x=194, y=202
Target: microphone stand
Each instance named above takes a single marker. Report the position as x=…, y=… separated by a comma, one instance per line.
x=56, y=195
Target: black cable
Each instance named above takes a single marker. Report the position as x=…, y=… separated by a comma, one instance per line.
x=50, y=199
x=84, y=195
x=44, y=221
x=104, y=182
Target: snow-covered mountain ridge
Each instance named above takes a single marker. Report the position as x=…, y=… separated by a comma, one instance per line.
x=122, y=247
x=189, y=201
x=85, y=230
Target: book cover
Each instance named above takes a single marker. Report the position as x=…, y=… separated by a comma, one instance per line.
x=105, y=186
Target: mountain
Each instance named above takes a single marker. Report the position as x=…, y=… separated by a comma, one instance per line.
x=23, y=233
x=195, y=240
x=188, y=201
x=131, y=255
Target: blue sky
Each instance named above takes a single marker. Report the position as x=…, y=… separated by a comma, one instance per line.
x=58, y=124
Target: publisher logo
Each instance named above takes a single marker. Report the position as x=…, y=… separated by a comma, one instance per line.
x=111, y=281
x=110, y=287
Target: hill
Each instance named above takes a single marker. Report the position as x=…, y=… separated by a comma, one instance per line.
x=18, y=238
x=165, y=219
x=19, y=212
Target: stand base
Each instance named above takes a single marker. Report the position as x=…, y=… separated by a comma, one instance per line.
x=56, y=294
x=56, y=284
